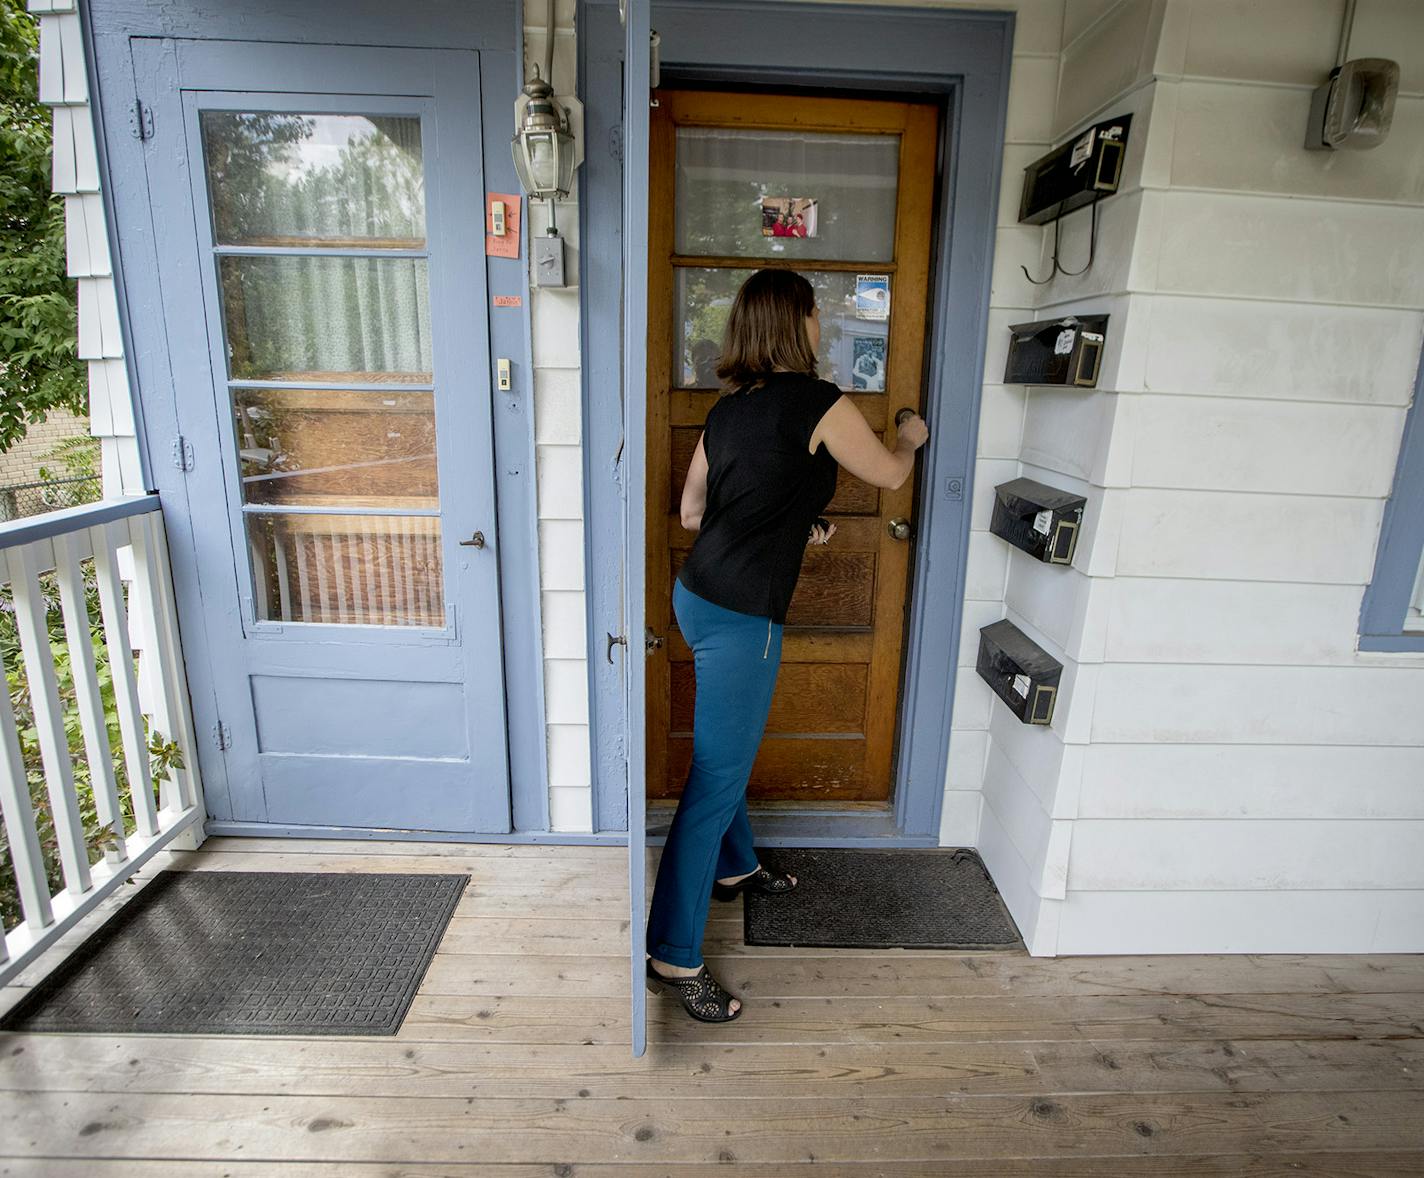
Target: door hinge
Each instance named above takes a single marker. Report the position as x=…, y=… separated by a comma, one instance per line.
x=182, y=453
x=222, y=736
x=141, y=119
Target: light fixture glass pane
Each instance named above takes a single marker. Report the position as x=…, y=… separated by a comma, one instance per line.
x=379, y=570
x=334, y=447
x=327, y=318
x=854, y=350
x=278, y=179
x=740, y=194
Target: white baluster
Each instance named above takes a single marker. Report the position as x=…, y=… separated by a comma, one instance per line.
x=25, y=856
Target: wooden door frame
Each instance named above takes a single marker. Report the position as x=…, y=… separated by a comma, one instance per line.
x=963, y=58
x=880, y=648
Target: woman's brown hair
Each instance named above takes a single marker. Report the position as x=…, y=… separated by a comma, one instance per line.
x=766, y=329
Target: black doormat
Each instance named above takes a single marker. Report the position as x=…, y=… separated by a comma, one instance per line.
x=251, y=953
x=906, y=898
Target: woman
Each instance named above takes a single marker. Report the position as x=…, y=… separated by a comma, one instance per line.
x=763, y=470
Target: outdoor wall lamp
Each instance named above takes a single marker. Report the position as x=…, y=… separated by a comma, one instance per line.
x=543, y=146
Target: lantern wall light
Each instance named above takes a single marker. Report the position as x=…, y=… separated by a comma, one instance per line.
x=544, y=148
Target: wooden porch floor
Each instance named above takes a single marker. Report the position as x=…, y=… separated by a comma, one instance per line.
x=515, y=1060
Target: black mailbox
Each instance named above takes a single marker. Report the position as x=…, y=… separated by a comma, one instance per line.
x=1022, y=673
x=1057, y=351
x=1040, y=519
x=1079, y=172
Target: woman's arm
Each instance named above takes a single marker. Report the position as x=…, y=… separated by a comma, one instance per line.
x=855, y=446
x=694, y=490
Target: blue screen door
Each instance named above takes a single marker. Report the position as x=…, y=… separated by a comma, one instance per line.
x=319, y=226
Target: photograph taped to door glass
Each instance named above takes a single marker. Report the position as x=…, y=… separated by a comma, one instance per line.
x=704, y=300
x=378, y=570
x=726, y=176
x=336, y=447
x=281, y=179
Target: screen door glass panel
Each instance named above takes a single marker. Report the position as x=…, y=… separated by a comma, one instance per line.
x=319, y=229
x=786, y=194
x=853, y=347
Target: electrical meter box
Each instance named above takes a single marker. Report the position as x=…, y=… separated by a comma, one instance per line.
x=1022, y=673
x=1057, y=351
x=1040, y=519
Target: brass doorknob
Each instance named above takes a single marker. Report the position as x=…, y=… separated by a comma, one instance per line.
x=900, y=529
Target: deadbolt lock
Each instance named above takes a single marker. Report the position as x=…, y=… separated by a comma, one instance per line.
x=900, y=529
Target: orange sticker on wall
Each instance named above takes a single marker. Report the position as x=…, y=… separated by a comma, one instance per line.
x=506, y=244
x=508, y=301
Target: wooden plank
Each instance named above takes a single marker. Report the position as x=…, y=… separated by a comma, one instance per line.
x=105, y=540
x=463, y=967
x=937, y=1019
x=39, y=667
x=446, y=1129
x=1338, y=1164
x=69, y=551
x=323, y=1066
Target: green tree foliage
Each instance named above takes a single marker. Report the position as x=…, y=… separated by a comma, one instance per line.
x=39, y=370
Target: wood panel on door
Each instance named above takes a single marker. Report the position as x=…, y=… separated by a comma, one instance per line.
x=719, y=162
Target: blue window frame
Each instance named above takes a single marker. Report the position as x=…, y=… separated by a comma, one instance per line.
x=1392, y=613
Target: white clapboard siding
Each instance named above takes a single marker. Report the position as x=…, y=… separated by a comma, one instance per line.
x=76, y=160
x=1227, y=534
x=1369, y=705
x=1265, y=921
x=1279, y=350
x=1103, y=61
x=1236, y=781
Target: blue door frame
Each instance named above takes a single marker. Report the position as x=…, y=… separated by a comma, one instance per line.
x=962, y=58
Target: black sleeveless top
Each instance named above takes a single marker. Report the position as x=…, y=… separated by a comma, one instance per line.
x=764, y=491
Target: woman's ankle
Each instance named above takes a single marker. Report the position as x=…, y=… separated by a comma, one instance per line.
x=674, y=970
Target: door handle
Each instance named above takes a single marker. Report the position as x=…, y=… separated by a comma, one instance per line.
x=901, y=414
x=900, y=529
x=475, y=541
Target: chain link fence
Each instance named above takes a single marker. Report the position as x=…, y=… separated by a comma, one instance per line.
x=24, y=499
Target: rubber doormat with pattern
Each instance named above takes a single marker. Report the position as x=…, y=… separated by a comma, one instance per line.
x=853, y=898
x=251, y=953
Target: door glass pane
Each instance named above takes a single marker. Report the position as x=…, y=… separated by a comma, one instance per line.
x=311, y=317
x=792, y=194
x=332, y=447
x=353, y=569
x=282, y=179
x=854, y=348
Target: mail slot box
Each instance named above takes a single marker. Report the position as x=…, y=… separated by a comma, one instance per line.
x=1057, y=351
x=1040, y=519
x=1078, y=173
x=1022, y=673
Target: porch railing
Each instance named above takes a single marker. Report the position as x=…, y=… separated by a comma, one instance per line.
x=98, y=768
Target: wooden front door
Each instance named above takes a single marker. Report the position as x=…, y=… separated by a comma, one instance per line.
x=840, y=190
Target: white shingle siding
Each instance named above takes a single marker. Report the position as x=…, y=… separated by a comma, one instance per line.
x=63, y=85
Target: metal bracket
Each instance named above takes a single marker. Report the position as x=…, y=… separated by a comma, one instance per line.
x=222, y=736
x=620, y=640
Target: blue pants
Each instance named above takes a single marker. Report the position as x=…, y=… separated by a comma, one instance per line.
x=735, y=660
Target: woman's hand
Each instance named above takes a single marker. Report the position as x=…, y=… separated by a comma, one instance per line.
x=820, y=535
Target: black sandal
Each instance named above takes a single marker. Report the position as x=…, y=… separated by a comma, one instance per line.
x=702, y=997
x=761, y=880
